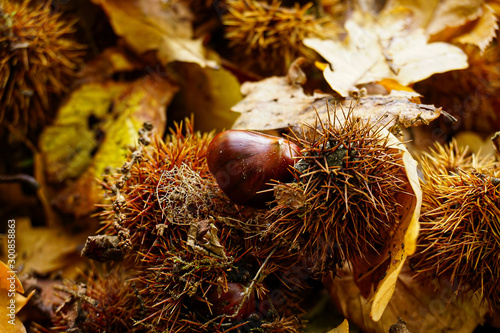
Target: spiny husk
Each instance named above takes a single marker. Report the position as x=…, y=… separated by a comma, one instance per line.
x=269, y=36
x=188, y=240
x=105, y=302
x=348, y=179
x=460, y=221
x=37, y=61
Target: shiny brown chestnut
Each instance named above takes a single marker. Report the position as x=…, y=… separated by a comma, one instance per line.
x=244, y=162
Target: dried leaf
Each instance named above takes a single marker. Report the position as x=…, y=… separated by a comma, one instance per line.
x=154, y=25
x=274, y=103
x=203, y=239
x=428, y=307
x=94, y=129
x=448, y=13
x=110, y=61
x=383, y=48
x=208, y=94
x=474, y=143
x=6, y=272
x=11, y=300
x=46, y=249
x=21, y=300
x=378, y=281
x=484, y=30
x=469, y=22
x=342, y=328
x=69, y=143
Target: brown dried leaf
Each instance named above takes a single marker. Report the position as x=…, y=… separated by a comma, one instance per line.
x=160, y=26
x=377, y=278
x=428, y=307
x=203, y=239
x=484, y=30
x=274, y=103
x=45, y=249
x=95, y=127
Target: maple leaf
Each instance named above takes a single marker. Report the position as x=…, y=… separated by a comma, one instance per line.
x=383, y=47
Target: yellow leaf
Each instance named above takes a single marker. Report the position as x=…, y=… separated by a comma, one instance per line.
x=475, y=144
x=69, y=143
x=429, y=307
x=21, y=300
x=320, y=65
x=155, y=25
x=96, y=126
x=44, y=249
x=391, y=84
x=342, y=328
x=10, y=322
x=11, y=300
x=8, y=272
x=210, y=99
x=378, y=281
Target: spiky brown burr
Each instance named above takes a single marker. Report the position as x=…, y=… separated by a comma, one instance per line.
x=343, y=204
x=268, y=35
x=38, y=60
x=104, y=302
x=459, y=240
x=197, y=258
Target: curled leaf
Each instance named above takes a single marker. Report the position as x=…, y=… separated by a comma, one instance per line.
x=425, y=308
x=377, y=281
x=275, y=103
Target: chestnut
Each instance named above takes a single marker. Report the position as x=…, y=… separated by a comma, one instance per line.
x=227, y=303
x=244, y=162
